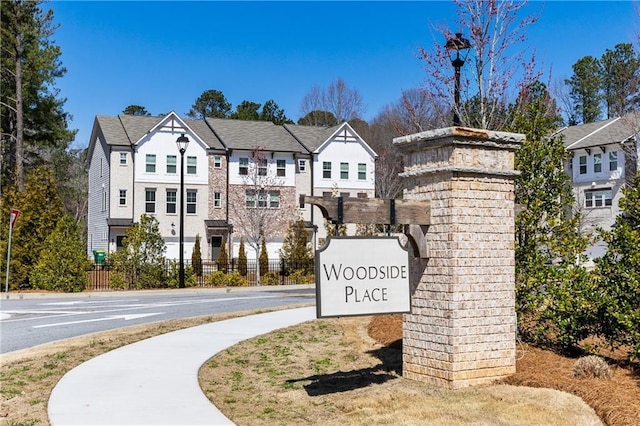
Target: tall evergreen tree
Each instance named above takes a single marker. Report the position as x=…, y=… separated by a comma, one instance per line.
x=618, y=275
x=211, y=103
x=40, y=208
x=33, y=120
x=136, y=110
x=62, y=270
x=546, y=230
x=621, y=79
x=584, y=86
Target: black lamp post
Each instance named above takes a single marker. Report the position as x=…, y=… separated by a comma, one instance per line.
x=458, y=49
x=182, y=143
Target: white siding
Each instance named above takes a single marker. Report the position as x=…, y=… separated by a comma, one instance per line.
x=97, y=214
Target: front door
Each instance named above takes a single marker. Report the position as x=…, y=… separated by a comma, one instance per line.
x=216, y=243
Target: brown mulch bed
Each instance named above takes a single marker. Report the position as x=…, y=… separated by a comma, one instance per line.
x=616, y=401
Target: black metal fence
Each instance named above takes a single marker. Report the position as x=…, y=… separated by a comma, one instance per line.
x=216, y=274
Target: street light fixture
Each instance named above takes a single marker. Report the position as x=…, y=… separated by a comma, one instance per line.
x=458, y=49
x=182, y=143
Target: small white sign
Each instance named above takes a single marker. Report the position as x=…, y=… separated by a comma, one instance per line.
x=362, y=276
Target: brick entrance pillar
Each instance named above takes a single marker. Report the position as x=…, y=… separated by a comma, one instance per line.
x=461, y=329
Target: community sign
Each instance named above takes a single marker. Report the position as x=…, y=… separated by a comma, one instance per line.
x=362, y=276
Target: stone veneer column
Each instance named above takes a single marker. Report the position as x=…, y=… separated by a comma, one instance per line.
x=461, y=329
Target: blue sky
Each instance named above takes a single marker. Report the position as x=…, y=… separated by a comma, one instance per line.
x=164, y=54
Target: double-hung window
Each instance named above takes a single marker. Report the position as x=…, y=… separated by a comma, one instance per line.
x=150, y=200
x=262, y=167
x=217, y=199
x=123, y=158
x=192, y=196
x=172, y=162
x=150, y=163
x=302, y=165
x=217, y=162
x=613, y=161
x=123, y=197
x=274, y=199
x=597, y=163
x=344, y=170
x=362, y=171
x=582, y=161
x=326, y=169
x=281, y=168
x=243, y=166
x=192, y=163
x=171, y=201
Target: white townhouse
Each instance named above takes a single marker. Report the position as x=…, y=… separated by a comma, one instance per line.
x=604, y=154
x=134, y=169
x=261, y=174
x=340, y=164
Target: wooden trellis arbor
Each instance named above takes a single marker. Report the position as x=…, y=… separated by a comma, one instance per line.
x=415, y=215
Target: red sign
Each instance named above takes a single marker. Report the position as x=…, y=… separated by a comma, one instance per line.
x=13, y=217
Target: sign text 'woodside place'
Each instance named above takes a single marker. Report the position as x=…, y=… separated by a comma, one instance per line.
x=362, y=276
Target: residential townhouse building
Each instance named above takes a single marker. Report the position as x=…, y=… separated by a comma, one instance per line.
x=134, y=169
x=604, y=155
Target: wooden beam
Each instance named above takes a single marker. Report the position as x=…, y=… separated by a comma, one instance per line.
x=372, y=210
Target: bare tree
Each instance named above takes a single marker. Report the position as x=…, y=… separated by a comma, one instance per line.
x=261, y=205
x=496, y=61
x=338, y=100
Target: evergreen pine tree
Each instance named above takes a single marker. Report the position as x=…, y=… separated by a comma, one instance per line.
x=242, y=259
x=618, y=275
x=223, y=259
x=63, y=262
x=40, y=209
x=264, y=259
x=196, y=257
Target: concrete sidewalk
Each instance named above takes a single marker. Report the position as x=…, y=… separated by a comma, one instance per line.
x=155, y=381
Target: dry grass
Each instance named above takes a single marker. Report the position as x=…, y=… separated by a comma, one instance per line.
x=27, y=377
x=331, y=372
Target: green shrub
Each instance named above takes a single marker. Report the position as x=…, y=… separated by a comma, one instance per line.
x=173, y=275
x=270, y=278
x=220, y=279
x=62, y=264
x=300, y=277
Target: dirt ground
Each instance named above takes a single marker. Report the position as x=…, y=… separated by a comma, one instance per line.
x=616, y=401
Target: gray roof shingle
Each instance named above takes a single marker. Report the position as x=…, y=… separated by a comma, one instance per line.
x=248, y=135
x=613, y=130
x=311, y=137
x=128, y=129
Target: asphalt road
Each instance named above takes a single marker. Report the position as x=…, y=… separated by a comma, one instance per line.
x=28, y=320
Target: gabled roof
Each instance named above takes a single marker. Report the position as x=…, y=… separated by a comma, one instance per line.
x=125, y=130
x=312, y=137
x=600, y=133
x=248, y=135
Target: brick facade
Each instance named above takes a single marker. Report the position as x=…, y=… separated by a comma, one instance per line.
x=461, y=329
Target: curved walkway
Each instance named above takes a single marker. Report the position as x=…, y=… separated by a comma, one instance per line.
x=155, y=381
